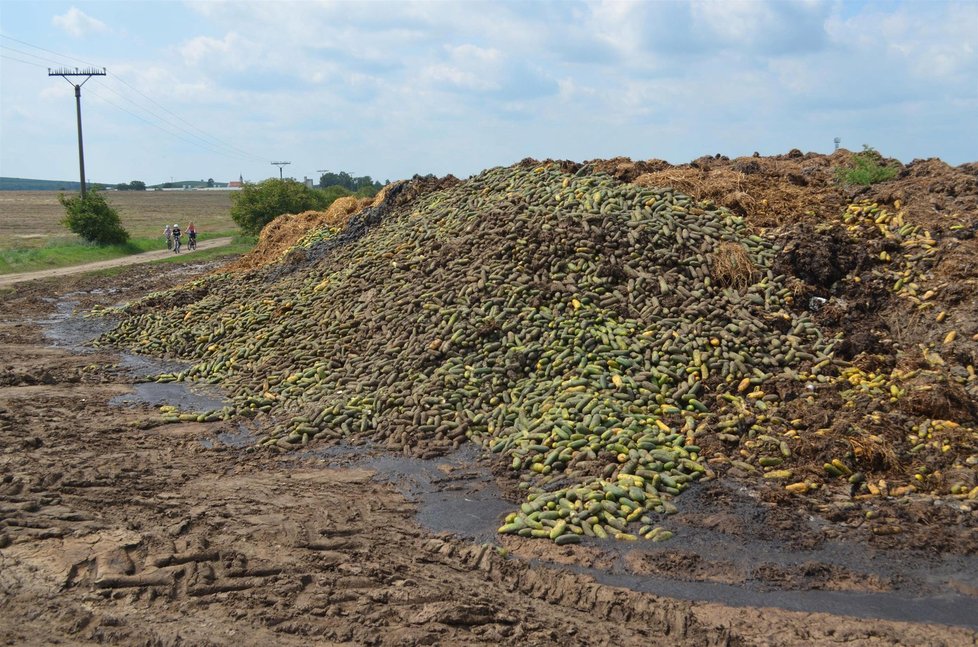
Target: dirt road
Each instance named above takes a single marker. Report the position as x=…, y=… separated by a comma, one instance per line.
x=11, y=279
x=118, y=529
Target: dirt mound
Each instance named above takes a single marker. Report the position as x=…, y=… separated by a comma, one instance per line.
x=767, y=190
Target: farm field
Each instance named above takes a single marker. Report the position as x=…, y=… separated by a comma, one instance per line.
x=731, y=402
x=31, y=219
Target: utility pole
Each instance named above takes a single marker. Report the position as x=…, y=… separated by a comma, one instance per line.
x=280, y=165
x=88, y=73
x=837, y=141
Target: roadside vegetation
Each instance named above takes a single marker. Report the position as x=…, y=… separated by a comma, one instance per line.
x=91, y=217
x=65, y=253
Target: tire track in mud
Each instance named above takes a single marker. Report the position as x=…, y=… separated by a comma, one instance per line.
x=118, y=531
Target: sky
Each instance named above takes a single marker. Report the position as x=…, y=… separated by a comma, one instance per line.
x=217, y=90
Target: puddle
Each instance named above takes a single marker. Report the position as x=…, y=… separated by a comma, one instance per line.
x=239, y=439
x=455, y=493
x=185, y=396
x=143, y=367
x=65, y=329
x=943, y=609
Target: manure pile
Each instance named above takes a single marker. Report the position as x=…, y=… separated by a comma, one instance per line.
x=588, y=332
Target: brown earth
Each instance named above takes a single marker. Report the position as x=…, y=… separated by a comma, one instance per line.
x=115, y=528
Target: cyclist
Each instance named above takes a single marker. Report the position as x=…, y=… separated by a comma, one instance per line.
x=168, y=233
x=176, y=238
x=191, y=237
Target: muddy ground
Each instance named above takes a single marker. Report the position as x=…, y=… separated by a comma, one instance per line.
x=117, y=530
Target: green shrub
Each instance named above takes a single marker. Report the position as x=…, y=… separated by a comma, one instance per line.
x=333, y=193
x=91, y=217
x=867, y=168
x=256, y=205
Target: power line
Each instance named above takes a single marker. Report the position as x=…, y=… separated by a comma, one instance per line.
x=204, y=139
x=47, y=50
x=20, y=51
x=157, y=126
x=208, y=135
x=11, y=58
x=205, y=142
x=99, y=96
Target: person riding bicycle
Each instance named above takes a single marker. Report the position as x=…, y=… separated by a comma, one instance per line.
x=176, y=237
x=191, y=236
x=168, y=234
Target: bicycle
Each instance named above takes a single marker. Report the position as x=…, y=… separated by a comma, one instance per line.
x=176, y=244
x=192, y=243
x=169, y=242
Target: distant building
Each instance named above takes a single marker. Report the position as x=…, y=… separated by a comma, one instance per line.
x=235, y=184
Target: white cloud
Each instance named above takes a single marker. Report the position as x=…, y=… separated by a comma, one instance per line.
x=205, y=50
x=78, y=24
x=469, y=67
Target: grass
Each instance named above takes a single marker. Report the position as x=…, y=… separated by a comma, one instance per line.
x=867, y=168
x=64, y=252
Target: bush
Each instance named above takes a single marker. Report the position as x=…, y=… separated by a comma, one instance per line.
x=256, y=205
x=867, y=168
x=333, y=193
x=91, y=217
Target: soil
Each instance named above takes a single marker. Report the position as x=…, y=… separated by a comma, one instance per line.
x=117, y=530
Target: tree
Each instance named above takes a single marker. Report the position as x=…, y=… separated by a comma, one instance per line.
x=256, y=205
x=122, y=186
x=210, y=182
x=137, y=185
x=91, y=217
x=348, y=182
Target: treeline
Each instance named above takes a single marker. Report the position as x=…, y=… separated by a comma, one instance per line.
x=24, y=184
x=360, y=185
x=135, y=185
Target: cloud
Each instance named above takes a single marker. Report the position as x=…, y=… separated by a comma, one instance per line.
x=767, y=28
x=490, y=73
x=232, y=51
x=78, y=24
